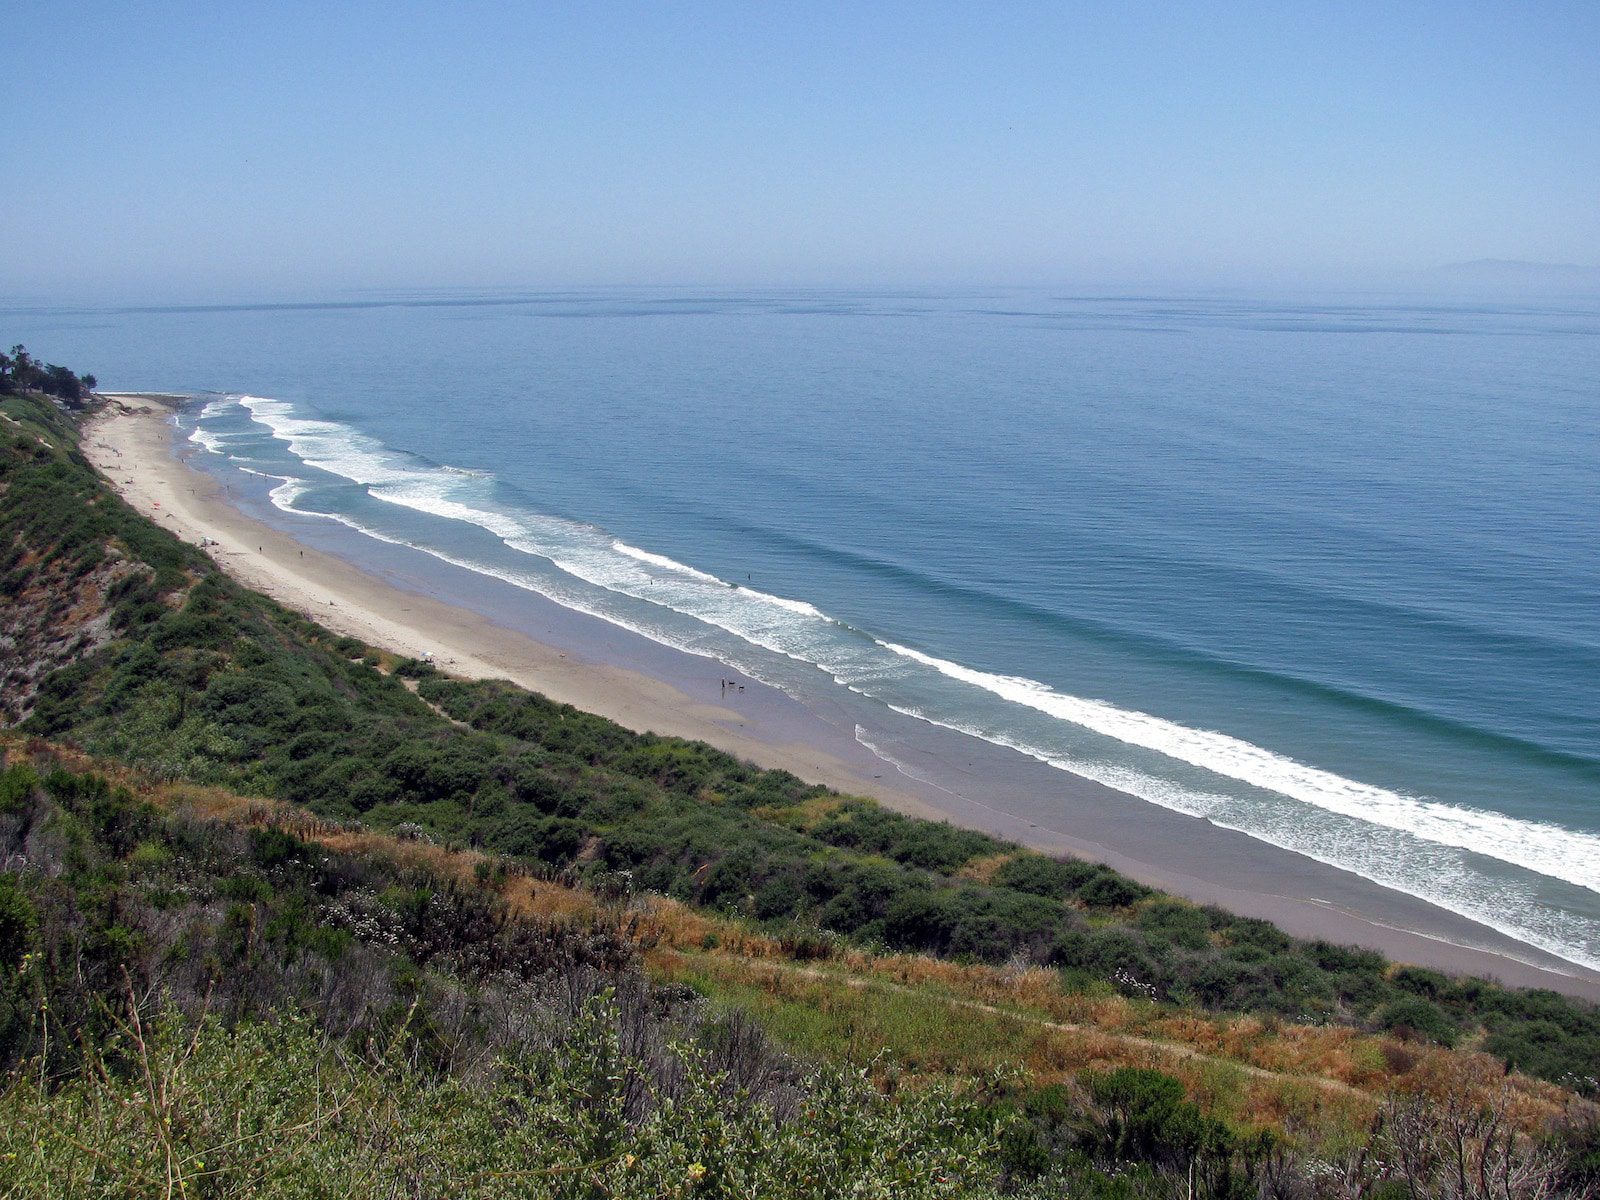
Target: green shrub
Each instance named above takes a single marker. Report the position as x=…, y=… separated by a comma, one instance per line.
x=1178, y=923
x=1413, y=1015
x=1109, y=890
x=1103, y=953
x=18, y=922
x=273, y=847
x=18, y=782
x=1043, y=876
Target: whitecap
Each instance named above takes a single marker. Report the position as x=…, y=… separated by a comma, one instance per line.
x=662, y=561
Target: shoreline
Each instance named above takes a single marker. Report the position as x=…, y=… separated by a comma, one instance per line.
x=348, y=600
x=606, y=670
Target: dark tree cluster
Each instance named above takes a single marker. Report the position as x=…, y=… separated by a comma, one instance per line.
x=21, y=372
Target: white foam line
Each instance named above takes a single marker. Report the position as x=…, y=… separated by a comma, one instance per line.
x=799, y=607
x=391, y=477
x=586, y=554
x=905, y=769
x=422, y=495
x=662, y=561
x=286, y=493
x=207, y=440
x=1565, y=854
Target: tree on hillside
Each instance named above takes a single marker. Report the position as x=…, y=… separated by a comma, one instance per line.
x=59, y=381
x=21, y=372
x=19, y=369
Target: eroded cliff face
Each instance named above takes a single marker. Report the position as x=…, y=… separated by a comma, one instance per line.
x=49, y=619
x=66, y=560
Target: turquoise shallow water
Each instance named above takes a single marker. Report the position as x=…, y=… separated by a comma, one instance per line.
x=1320, y=570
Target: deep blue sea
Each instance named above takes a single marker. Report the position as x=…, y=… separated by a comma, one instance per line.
x=1324, y=571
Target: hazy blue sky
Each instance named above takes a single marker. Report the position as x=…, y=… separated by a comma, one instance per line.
x=188, y=149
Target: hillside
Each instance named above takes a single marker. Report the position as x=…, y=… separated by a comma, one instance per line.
x=543, y=1039
x=935, y=998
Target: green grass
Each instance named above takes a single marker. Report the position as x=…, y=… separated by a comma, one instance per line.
x=834, y=1018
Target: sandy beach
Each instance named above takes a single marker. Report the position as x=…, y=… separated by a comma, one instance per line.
x=594, y=666
x=133, y=448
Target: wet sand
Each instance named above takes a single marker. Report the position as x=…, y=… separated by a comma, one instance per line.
x=475, y=627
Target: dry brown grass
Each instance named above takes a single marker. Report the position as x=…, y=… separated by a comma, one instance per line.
x=803, y=815
x=956, y=1018
x=983, y=870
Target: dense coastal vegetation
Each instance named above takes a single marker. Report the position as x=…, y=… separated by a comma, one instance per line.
x=327, y=964
x=420, y=1040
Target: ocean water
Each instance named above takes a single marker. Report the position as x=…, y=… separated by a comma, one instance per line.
x=1322, y=570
